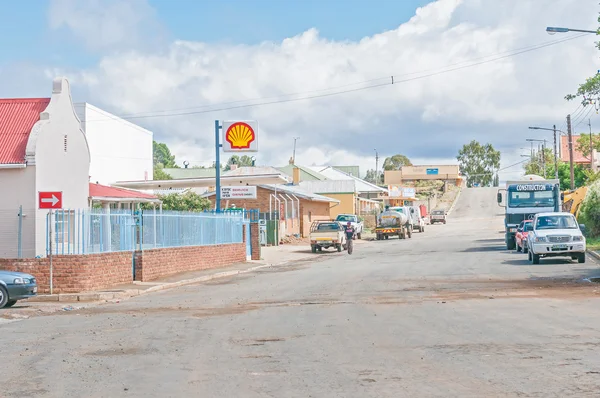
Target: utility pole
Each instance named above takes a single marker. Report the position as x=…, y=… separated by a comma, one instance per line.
x=570, y=135
x=591, y=146
x=376, y=167
x=544, y=158
x=555, y=155
x=294, y=153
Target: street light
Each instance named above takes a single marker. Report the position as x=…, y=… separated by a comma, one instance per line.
x=555, y=150
x=553, y=30
x=543, y=152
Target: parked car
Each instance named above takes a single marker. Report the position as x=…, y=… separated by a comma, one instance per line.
x=326, y=234
x=521, y=235
x=437, y=216
x=15, y=286
x=556, y=234
x=354, y=220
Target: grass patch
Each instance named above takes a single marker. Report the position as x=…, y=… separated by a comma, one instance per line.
x=593, y=243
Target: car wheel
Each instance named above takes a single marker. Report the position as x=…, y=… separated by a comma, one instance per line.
x=581, y=258
x=10, y=303
x=535, y=258
x=3, y=297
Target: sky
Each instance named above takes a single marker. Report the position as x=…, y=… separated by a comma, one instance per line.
x=321, y=71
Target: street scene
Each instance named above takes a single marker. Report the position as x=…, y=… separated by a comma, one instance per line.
x=405, y=204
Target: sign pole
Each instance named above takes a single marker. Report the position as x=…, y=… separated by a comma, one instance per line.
x=217, y=167
x=50, y=246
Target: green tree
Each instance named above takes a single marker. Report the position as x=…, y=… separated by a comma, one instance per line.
x=589, y=213
x=583, y=144
x=535, y=164
x=478, y=163
x=162, y=156
x=241, y=161
x=582, y=175
x=371, y=177
x=396, y=162
x=187, y=201
x=161, y=175
x=591, y=88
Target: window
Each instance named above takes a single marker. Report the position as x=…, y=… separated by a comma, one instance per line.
x=328, y=227
x=64, y=226
x=346, y=218
x=556, y=222
x=531, y=199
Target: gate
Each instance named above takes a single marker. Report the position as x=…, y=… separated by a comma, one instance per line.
x=248, y=240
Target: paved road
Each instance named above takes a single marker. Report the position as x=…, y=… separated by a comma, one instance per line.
x=449, y=313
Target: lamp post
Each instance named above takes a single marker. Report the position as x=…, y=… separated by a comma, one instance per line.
x=553, y=129
x=553, y=30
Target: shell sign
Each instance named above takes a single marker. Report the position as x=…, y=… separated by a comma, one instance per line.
x=240, y=136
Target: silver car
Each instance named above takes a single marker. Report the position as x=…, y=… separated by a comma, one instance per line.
x=15, y=286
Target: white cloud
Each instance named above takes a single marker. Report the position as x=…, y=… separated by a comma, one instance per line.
x=429, y=118
x=106, y=24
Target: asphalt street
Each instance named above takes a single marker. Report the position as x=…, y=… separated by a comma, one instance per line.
x=448, y=313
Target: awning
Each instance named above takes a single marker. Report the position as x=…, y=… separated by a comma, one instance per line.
x=226, y=181
x=104, y=193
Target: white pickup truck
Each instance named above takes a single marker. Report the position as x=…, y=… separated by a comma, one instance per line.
x=353, y=219
x=556, y=234
x=326, y=234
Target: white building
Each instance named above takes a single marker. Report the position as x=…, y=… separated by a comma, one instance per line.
x=119, y=150
x=42, y=149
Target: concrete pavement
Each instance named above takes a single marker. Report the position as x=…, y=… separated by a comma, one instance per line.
x=448, y=313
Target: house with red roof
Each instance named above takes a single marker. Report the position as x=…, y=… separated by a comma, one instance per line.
x=578, y=157
x=44, y=149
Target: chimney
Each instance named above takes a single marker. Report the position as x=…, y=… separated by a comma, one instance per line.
x=233, y=167
x=296, y=176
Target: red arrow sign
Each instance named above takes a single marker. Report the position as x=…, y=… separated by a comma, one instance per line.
x=50, y=200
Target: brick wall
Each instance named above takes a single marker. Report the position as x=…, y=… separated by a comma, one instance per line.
x=156, y=263
x=312, y=211
x=254, y=235
x=72, y=274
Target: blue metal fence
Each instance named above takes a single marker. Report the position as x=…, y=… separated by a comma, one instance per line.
x=98, y=231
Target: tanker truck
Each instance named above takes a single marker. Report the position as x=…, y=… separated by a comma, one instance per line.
x=393, y=221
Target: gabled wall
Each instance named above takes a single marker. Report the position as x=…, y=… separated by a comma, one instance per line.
x=58, y=151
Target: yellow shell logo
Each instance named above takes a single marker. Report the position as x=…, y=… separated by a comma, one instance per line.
x=240, y=135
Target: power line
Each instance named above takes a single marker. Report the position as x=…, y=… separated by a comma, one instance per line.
x=373, y=86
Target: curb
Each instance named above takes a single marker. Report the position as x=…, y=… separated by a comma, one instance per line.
x=454, y=202
x=595, y=255
x=107, y=296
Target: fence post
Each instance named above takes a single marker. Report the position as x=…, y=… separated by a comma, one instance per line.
x=51, y=267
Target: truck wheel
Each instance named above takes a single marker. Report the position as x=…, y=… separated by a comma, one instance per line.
x=581, y=258
x=359, y=235
x=535, y=258
x=313, y=248
x=378, y=236
x=387, y=237
x=339, y=248
x=510, y=244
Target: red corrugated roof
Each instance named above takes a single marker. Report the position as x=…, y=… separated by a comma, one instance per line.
x=564, y=150
x=103, y=191
x=17, y=117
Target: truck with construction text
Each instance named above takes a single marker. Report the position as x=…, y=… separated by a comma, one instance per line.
x=524, y=199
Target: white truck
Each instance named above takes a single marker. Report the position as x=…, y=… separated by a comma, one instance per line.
x=393, y=222
x=524, y=199
x=357, y=224
x=556, y=234
x=326, y=234
x=418, y=220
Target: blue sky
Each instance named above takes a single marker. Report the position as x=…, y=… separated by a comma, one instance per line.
x=25, y=36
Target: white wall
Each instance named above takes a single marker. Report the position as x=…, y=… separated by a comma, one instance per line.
x=120, y=150
x=18, y=187
x=58, y=151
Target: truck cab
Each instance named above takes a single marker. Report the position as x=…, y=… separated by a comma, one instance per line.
x=524, y=199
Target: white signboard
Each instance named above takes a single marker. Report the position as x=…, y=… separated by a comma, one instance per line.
x=240, y=136
x=409, y=192
x=238, y=192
